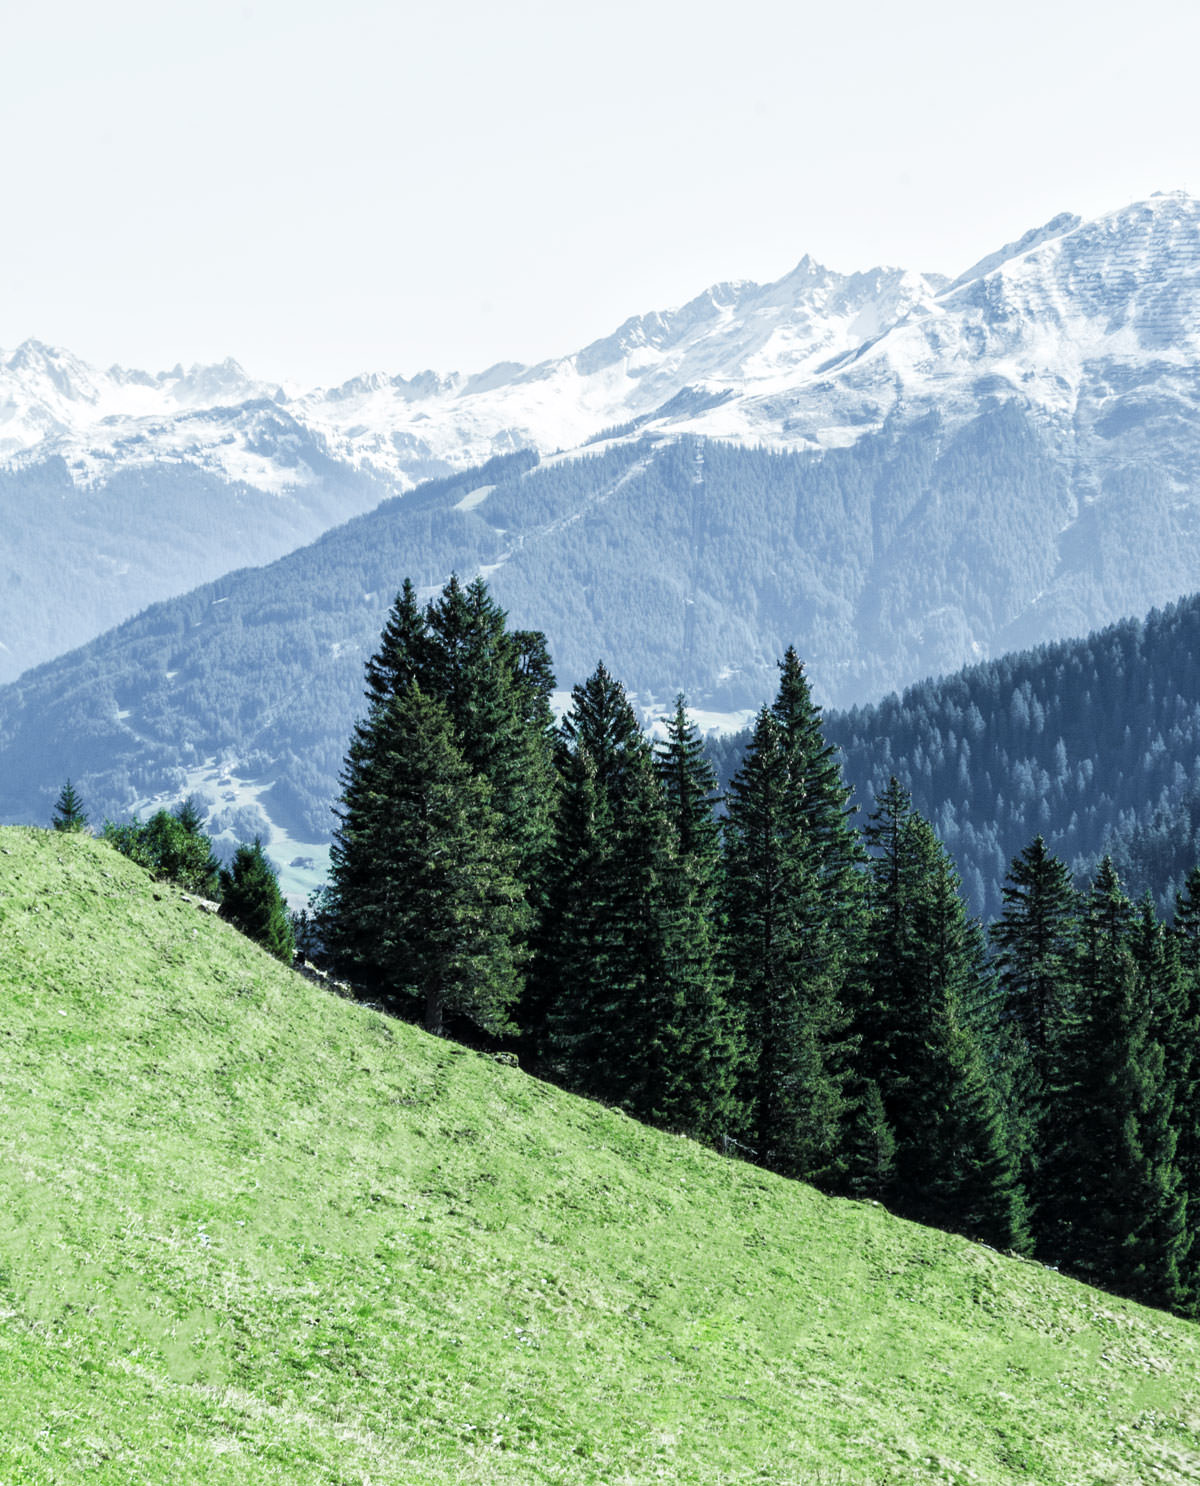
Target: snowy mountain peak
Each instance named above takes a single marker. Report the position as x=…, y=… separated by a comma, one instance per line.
x=812, y=360
x=222, y=383
x=1034, y=238
x=57, y=372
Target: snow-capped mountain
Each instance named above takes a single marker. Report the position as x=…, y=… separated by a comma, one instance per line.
x=145, y=483
x=741, y=340
x=812, y=360
x=896, y=472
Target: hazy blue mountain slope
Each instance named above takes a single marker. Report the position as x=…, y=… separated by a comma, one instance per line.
x=682, y=562
x=77, y=559
x=1092, y=743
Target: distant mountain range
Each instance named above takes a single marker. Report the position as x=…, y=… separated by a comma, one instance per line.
x=140, y=485
x=896, y=473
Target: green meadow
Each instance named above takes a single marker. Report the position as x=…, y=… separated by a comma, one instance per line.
x=253, y=1232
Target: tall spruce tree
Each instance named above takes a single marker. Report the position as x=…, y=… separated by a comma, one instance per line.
x=1113, y=1209
x=786, y=963
x=1036, y=938
x=439, y=915
x=1036, y=941
x=625, y=1003
x=694, y=940
x=251, y=901
x=400, y=657
x=1181, y=1043
x=820, y=799
x=69, y=814
x=494, y=685
x=920, y=1040
x=1156, y=1263
x=689, y=782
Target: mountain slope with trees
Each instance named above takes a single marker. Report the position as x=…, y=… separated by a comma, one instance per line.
x=879, y=563
x=1093, y=743
x=824, y=1005
x=1002, y=459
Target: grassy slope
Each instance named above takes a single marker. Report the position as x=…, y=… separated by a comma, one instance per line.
x=250, y=1232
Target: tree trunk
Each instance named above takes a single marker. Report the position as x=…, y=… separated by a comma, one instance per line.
x=433, y=1009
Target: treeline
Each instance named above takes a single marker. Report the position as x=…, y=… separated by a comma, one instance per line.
x=173, y=847
x=1093, y=742
x=777, y=982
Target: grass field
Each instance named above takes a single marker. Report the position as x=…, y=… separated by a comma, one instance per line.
x=251, y=1232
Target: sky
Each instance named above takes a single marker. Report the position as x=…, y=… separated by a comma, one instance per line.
x=319, y=190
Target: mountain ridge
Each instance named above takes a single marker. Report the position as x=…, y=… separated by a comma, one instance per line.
x=758, y=338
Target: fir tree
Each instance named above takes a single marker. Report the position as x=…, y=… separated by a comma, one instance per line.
x=251, y=901
x=628, y=999
x=494, y=685
x=190, y=816
x=821, y=800
x=785, y=963
x=692, y=899
x=1113, y=1211
x=1036, y=937
x=69, y=814
x=870, y=1156
x=1156, y=1262
x=1181, y=1044
x=400, y=657
x=921, y=1046
x=1037, y=941
x=437, y=913
x=689, y=782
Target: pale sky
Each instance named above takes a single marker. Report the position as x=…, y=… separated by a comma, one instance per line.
x=320, y=189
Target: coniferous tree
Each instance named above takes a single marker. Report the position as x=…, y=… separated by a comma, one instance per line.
x=689, y=782
x=1155, y=1265
x=251, y=901
x=885, y=1037
x=821, y=800
x=920, y=1041
x=400, y=657
x=785, y=963
x=190, y=816
x=69, y=814
x=438, y=913
x=870, y=1152
x=694, y=937
x=1181, y=1044
x=494, y=685
x=625, y=1003
x=1113, y=1209
x=833, y=853
x=1037, y=942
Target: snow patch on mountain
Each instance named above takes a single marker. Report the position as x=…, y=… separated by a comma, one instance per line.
x=1067, y=319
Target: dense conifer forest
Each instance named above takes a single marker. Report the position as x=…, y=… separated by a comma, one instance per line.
x=1094, y=743
x=786, y=981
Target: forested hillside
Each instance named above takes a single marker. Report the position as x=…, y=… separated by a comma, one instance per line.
x=810, y=994
x=132, y=536
x=1093, y=743
x=686, y=564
